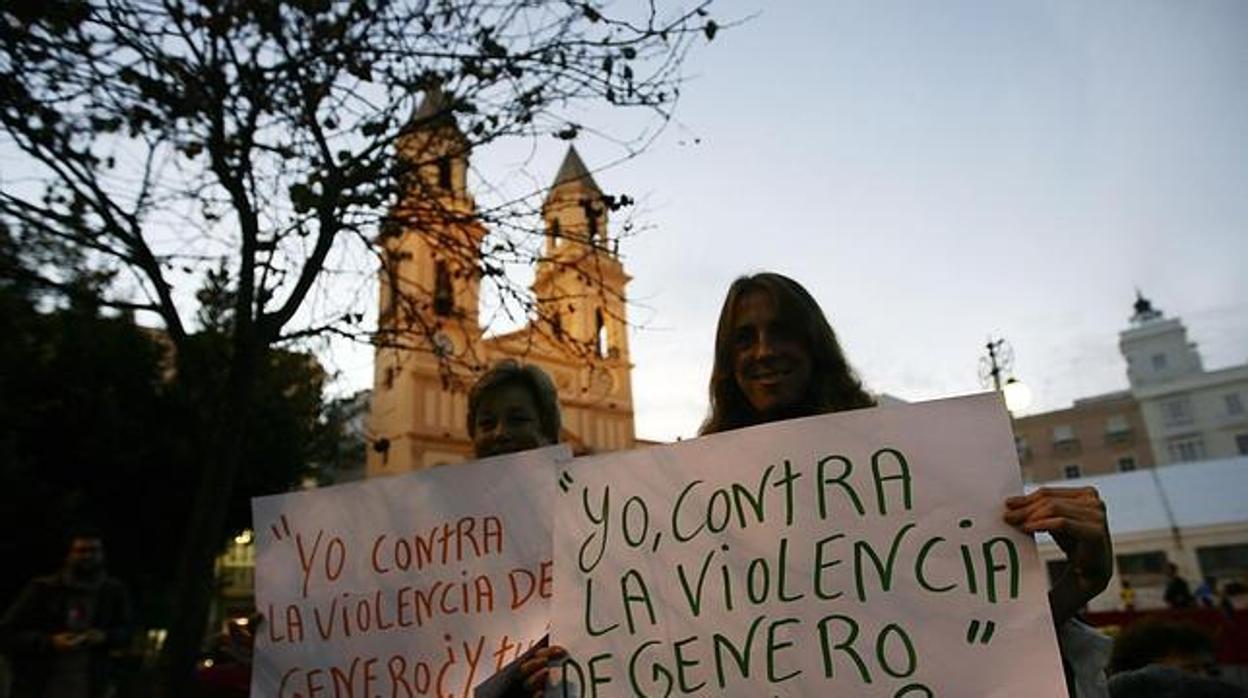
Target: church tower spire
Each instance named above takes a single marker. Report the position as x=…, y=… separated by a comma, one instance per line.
x=580, y=281
x=574, y=209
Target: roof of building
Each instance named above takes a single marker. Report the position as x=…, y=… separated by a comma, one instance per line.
x=1115, y=396
x=433, y=104
x=436, y=110
x=1079, y=404
x=1204, y=493
x=573, y=170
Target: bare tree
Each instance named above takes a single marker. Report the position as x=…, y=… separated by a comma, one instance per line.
x=149, y=139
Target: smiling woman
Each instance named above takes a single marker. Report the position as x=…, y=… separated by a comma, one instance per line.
x=776, y=357
x=771, y=366
x=512, y=407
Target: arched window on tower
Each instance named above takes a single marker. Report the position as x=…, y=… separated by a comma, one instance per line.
x=444, y=172
x=591, y=221
x=600, y=334
x=554, y=232
x=390, y=287
x=443, y=294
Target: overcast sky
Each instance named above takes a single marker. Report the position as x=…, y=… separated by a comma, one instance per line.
x=935, y=173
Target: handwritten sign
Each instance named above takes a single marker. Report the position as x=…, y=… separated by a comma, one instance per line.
x=415, y=585
x=857, y=554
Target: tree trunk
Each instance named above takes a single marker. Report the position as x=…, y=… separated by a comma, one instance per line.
x=225, y=439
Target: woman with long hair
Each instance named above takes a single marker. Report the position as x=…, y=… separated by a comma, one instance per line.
x=801, y=370
x=776, y=357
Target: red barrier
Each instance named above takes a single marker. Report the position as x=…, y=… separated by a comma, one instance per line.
x=1230, y=635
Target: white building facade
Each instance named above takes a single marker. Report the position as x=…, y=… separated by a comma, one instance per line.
x=1190, y=414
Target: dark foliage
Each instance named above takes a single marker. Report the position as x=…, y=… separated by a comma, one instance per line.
x=95, y=431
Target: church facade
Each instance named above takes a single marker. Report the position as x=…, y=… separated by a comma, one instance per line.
x=432, y=345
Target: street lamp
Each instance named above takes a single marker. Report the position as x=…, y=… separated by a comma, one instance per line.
x=1017, y=395
x=993, y=371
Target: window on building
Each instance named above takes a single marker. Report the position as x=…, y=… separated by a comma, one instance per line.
x=1117, y=425
x=1126, y=464
x=555, y=231
x=1065, y=440
x=591, y=221
x=389, y=292
x=1159, y=362
x=1177, y=412
x=600, y=333
x=1233, y=404
x=1225, y=562
x=1072, y=471
x=1020, y=445
x=1241, y=444
x=1184, y=449
x=443, y=293
x=391, y=227
x=444, y=172
x=1143, y=569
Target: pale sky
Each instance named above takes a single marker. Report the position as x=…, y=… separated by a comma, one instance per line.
x=935, y=173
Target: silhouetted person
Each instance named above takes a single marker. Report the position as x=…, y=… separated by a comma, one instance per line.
x=60, y=629
x=1224, y=601
x=1167, y=682
x=1163, y=659
x=1205, y=591
x=1178, y=593
x=1184, y=646
x=1127, y=594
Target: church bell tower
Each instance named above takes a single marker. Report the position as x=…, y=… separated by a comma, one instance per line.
x=428, y=324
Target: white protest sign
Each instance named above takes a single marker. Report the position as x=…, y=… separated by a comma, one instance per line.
x=856, y=554
x=415, y=585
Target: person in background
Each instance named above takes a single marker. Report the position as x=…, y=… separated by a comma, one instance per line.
x=1163, y=658
x=515, y=407
x=1205, y=591
x=1168, y=682
x=1178, y=593
x=1225, y=604
x=1127, y=594
x=512, y=407
x=62, y=626
x=1184, y=646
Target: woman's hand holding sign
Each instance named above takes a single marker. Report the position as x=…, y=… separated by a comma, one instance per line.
x=535, y=670
x=1075, y=517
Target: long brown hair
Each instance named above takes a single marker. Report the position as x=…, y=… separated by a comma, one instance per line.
x=833, y=385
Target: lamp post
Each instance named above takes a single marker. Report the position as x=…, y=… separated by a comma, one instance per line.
x=996, y=370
